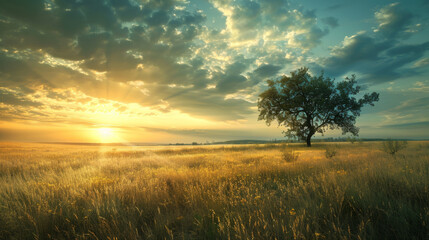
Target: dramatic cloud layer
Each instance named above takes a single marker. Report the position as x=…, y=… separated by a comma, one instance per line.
x=167, y=62
x=380, y=55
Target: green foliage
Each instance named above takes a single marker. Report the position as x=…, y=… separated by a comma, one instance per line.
x=352, y=139
x=393, y=146
x=308, y=104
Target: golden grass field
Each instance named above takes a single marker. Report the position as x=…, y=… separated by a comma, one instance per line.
x=213, y=192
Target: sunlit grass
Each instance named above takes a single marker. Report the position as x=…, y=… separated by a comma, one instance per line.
x=213, y=192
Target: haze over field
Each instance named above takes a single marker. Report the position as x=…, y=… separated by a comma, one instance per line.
x=181, y=71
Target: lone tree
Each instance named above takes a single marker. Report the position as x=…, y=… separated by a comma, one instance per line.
x=309, y=105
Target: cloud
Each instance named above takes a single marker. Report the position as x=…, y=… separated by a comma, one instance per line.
x=99, y=46
x=249, y=22
x=411, y=125
x=29, y=11
x=393, y=21
x=409, y=110
x=14, y=98
x=267, y=70
x=354, y=50
x=422, y=62
x=380, y=56
x=408, y=49
x=331, y=21
x=377, y=61
x=163, y=56
x=412, y=105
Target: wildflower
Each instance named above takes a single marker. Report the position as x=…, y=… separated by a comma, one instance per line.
x=292, y=212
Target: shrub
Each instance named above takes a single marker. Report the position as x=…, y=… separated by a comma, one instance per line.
x=330, y=152
x=423, y=146
x=392, y=147
x=352, y=139
x=289, y=155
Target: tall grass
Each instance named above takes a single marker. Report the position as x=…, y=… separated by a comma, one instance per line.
x=213, y=192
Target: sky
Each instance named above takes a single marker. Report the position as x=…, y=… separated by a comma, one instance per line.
x=167, y=71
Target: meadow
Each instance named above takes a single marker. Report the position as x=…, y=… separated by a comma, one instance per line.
x=270, y=191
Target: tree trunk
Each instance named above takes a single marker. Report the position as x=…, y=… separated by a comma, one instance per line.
x=309, y=140
x=309, y=136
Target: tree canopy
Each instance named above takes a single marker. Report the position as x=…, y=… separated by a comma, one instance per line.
x=307, y=104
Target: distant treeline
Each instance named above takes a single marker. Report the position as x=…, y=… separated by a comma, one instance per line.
x=329, y=139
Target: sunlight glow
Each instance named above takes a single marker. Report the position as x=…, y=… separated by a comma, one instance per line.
x=106, y=135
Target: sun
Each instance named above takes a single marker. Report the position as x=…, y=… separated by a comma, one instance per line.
x=106, y=135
